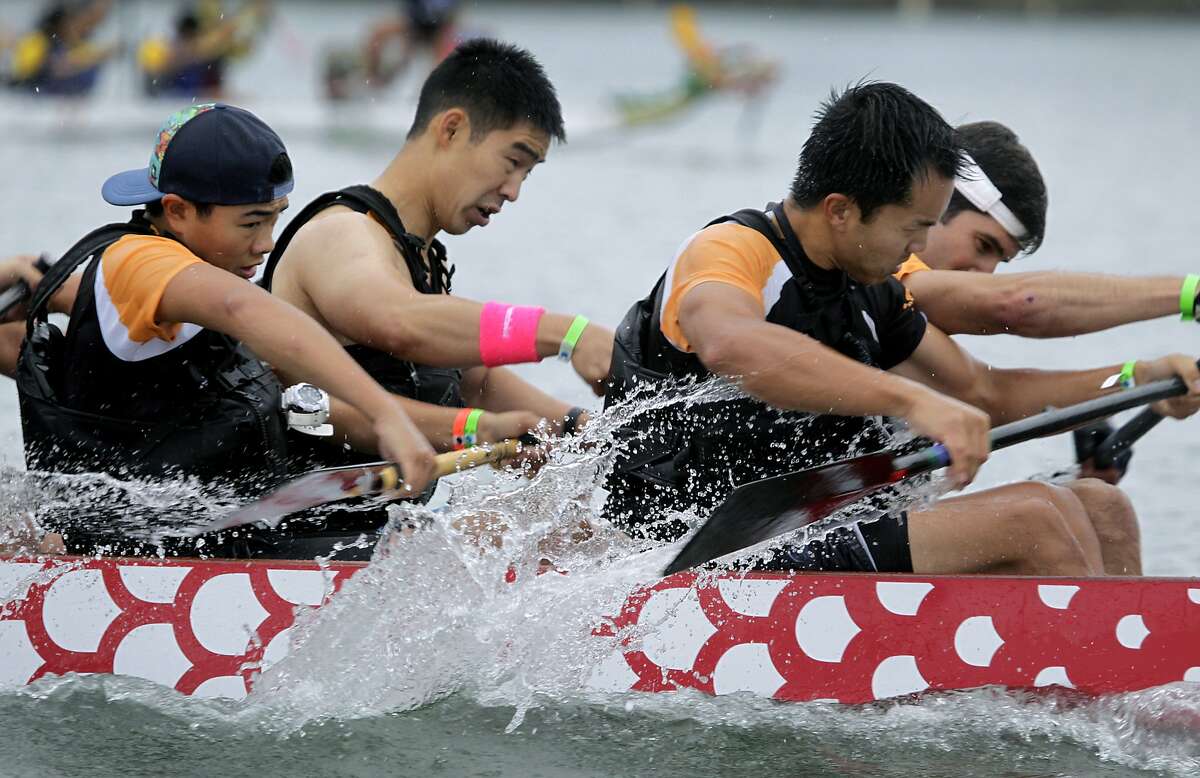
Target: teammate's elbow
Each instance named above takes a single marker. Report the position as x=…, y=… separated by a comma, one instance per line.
x=719, y=353
x=1021, y=309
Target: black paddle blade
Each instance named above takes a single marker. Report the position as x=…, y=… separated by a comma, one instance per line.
x=761, y=510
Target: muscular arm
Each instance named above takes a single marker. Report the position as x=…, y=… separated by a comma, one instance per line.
x=63, y=300
x=789, y=370
x=1039, y=305
x=351, y=427
x=1006, y=394
x=344, y=265
x=781, y=366
x=286, y=338
x=436, y=422
x=497, y=389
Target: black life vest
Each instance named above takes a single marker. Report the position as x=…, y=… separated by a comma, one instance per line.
x=434, y=385
x=692, y=454
x=207, y=409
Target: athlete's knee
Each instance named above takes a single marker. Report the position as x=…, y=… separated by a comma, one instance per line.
x=1050, y=530
x=1109, y=509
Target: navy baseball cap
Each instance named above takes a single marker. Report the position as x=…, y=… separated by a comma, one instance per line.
x=208, y=153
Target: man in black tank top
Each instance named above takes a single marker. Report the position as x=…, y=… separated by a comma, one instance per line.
x=797, y=304
x=365, y=262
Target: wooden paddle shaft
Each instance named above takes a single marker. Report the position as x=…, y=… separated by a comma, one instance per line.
x=488, y=454
x=387, y=476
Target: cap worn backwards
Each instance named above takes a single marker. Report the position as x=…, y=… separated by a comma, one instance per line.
x=208, y=153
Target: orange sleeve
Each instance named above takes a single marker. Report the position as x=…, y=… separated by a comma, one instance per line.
x=137, y=269
x=726, y=253
x=911, y=265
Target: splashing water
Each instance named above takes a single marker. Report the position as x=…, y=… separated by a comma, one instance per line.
x=504, y=619
x=444, y=618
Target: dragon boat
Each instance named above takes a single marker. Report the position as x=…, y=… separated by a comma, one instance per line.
x=208, y=628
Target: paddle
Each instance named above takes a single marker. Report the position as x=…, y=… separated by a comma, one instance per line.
x=340, y=483
x=1116, y=444
x=763, y=509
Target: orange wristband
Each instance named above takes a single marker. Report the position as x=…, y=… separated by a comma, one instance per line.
x=466, y=425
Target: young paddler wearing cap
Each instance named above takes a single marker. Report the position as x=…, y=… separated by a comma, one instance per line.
x=365, y=262
x=997, y=212
x=154, y=376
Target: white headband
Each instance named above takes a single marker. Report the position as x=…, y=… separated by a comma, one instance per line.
x=974, y=185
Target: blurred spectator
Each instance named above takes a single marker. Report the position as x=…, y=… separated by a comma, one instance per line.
x=194, y=62
x=421, y=27
x=58, y=57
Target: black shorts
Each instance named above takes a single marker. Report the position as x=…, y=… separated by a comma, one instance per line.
x=878, y=546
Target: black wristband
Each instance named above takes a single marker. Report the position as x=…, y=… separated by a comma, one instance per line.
x=571, y=420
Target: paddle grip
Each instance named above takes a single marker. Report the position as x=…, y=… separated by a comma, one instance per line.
x=1046, y=423
x=1120, y=441
x=487, y=454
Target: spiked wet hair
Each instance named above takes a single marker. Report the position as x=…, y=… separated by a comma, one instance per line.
x=497, y=84
x=1009, y=165
x=870, y=143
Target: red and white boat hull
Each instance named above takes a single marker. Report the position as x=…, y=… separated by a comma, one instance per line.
x=209, y=627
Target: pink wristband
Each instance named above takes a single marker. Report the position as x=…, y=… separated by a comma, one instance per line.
x=508, y=334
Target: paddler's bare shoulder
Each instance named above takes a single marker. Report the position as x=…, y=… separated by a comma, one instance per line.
x=339, y=237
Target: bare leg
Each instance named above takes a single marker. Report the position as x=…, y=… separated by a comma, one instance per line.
x=1022, y=529
x=1115, y=523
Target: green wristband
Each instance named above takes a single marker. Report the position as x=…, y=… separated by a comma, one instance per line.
x=571, y=339
x=1126, y=376
x=1187, y=298
x=471, y=428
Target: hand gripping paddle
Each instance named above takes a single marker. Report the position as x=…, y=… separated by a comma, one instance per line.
x=764, y=509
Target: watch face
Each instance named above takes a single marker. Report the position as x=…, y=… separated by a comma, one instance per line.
x=309, y=395
x=305, y=398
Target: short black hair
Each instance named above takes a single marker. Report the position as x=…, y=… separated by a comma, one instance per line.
x=1005, y=160
x=870, y=143
x=497, y=84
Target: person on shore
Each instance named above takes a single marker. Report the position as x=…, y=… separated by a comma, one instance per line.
x=163, y=370
x=796, y=303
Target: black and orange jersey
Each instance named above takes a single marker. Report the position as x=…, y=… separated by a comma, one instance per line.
x=913, y=264
x=827, y=306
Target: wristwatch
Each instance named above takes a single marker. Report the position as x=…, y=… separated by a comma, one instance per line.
x=307, y=408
